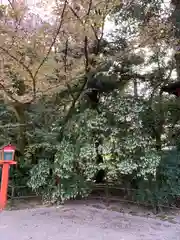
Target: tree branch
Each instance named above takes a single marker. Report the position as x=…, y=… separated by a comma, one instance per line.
x=8, y=93
x=33, y=76
x=71, y=109
x=20, y=62
x=54, y=40
x=79, y=19
x=65, y=68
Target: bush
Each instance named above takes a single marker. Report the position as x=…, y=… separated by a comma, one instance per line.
x=165, y=189
x=115, y=134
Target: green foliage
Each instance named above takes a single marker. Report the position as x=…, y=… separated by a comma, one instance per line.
x=165, y=190
x=44, y=175
x=124, y=149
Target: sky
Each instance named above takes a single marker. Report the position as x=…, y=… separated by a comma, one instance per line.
x=44, y=12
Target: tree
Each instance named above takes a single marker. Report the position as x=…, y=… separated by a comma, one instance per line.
x=30, y=59
x=21, y=51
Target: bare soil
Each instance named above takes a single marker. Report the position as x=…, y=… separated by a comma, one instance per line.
x=87, y=220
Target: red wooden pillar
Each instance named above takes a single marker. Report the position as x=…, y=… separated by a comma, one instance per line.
x=4, y=185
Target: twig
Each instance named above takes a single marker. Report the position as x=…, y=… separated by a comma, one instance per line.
x=11, y=4
x=65, y=56
x=17, y=21
x=54, y=40
x=78, y=17
x=15, y=125
x=89, y=8
x=86, y=54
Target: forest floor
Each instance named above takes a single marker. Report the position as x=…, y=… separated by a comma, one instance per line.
x=87, y=220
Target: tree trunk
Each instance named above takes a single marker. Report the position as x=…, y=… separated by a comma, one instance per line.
x=19, y=110
x=135, y=83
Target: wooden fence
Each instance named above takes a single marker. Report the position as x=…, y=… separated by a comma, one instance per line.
x=108, y=193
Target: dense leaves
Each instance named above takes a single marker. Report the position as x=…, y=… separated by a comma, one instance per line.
x=118, y=132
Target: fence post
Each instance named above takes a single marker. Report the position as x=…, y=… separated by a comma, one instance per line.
x=107, y=194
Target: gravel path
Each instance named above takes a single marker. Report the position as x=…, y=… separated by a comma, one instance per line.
x=81, y=222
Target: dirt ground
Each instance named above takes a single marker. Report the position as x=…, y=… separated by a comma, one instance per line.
x=88, y=220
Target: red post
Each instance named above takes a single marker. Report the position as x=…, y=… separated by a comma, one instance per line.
x=4, y=185
x=4, y=182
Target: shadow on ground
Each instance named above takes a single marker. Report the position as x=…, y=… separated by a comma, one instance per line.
x=83, y=221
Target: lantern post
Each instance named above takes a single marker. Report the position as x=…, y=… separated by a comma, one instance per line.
x=7, y=156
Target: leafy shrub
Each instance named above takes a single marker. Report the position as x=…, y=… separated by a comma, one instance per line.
x=165, y=188
x=125, y=150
